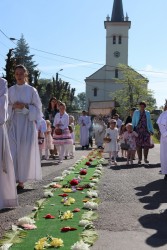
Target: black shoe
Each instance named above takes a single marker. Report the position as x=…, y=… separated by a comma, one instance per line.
x=65, y=157
x=87, y=146
x=146, y=161
x=139, y=162
x=165, y=177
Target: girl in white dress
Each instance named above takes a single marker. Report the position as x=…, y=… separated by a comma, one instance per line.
x=8, y=194
x=112, y=146
x=48, y=140
x=24, y=110
x=42, y=128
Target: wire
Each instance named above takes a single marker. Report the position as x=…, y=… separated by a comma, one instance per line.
x=71, y=78
x=80, y=60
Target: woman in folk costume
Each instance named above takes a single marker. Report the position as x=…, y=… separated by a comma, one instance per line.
x=162, y=123
x=8, y=194
x=62, y=137
x=85, y=123
x=24, y=110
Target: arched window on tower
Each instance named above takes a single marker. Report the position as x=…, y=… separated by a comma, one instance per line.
x=120, y=39
x=114, y=39
x=95, y=91
x=116, y=73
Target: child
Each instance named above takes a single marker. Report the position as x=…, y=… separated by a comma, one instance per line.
x=121, y=137
x=41, y=127
x=69, y=151
x=48, y=140
x=72, y=146
x=130, y=139
x=112, y=146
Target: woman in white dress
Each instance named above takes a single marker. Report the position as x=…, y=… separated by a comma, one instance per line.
x=24, y=110
x=8, y=194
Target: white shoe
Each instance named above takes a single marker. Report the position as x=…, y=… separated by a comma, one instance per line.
x=115, y=163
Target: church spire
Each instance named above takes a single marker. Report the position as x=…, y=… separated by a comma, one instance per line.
x=117, y=12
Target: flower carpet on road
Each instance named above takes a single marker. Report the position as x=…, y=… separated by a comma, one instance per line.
x=64, y=218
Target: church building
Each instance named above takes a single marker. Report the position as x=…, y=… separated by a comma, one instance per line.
x=101, y=84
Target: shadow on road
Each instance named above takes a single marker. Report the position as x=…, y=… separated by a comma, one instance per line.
x=154, y=195
x=135, y=165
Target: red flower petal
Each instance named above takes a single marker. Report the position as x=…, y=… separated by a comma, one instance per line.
x=66, y=229
x=49, y=216
x=76, y=210
x=73, y=228
x=63, y=195
x=83, y=172
x=80, y=188
x=74, y=182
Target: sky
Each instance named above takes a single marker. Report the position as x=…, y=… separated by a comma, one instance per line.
x=70, y=35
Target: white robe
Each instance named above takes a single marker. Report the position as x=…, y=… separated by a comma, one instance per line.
x=162, y=123
x=85, y=123
x=99, y=129
x=112, y=146
x=8, y=194
x=22, y=132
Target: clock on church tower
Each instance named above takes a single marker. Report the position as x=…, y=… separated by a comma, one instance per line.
x=117, y=54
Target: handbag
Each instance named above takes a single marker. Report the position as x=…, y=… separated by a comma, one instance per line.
x=125, y=146
x=107, y=139
x=58, y=131
x=151, y=143
x=40, y=140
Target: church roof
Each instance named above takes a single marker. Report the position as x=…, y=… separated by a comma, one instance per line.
x=117, y=11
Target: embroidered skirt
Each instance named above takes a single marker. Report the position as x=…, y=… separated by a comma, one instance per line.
x=64, y=138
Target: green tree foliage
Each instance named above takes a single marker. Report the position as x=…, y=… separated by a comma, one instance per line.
x=134, y=89
x=9, y=68
x=59, y=89
x=82, y=100
x=22, y=56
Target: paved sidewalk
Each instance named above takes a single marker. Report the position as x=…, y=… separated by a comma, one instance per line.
x=133, y=209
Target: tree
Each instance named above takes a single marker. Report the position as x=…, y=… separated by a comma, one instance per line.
x=22, y=56
x=9, y=68
x=134, y=89
x=82, y=100
x=59, y=89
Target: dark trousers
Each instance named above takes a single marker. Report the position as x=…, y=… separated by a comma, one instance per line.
x=145, y=152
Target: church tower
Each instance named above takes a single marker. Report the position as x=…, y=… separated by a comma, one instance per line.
x=101, y=85
x=117, y=29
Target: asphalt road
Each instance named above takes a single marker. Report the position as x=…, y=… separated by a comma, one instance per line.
x=133, y=209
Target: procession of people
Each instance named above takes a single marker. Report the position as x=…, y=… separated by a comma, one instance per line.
x=26, y=134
